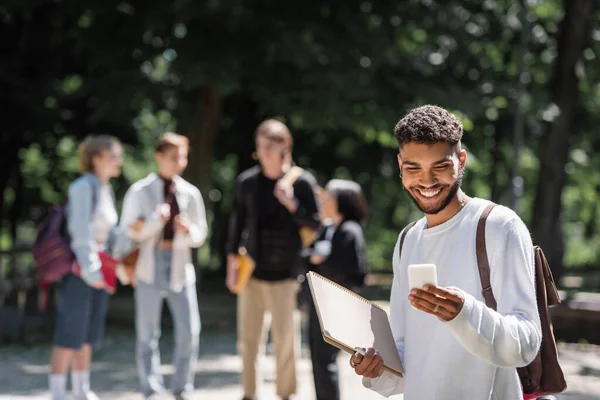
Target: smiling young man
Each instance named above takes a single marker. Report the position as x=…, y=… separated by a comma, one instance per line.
x=453, y=346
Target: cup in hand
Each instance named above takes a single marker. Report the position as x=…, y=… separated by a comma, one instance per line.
x=323, y=248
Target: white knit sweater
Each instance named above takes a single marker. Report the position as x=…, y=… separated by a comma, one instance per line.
x=473, y=356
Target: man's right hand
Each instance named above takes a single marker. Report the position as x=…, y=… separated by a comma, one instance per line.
x=370, y=365
x=164, y=210
x=232, y=270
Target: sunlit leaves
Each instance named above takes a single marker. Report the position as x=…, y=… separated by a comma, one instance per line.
x=71, y=84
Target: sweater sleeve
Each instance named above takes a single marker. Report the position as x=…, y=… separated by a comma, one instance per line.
x=389, y=384
x=132, y=206
x=510, y=336
x=83, y=244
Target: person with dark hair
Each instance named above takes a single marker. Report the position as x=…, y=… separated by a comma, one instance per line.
x=268, y=215
x=451, y=344
x=339, y=255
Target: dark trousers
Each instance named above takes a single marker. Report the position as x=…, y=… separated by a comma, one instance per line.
x=323, y=356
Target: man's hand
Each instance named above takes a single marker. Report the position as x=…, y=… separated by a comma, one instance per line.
x=232, y=271
x=98, y=284
x=370, y=365
x=164, y=210
x=137, y=226
x=284, y=193
x=317, y=259
x=444, y=303
x=181, y=224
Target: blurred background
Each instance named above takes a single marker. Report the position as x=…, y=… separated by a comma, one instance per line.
x=523, y=77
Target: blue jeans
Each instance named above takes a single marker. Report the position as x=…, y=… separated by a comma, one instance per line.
x=186, y=320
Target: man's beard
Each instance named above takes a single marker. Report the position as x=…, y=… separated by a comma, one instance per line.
x=432, y=210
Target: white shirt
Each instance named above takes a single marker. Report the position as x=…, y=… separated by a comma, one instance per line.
x=475, y=355
x=91, y=219
x=105, y=215
x=141, y=201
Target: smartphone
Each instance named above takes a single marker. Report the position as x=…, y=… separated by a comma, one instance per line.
x=421, y=274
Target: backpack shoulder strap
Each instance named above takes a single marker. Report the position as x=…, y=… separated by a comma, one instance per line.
x=482, y=259
x=404, y=232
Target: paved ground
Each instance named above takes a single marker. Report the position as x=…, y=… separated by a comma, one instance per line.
x=23, y=371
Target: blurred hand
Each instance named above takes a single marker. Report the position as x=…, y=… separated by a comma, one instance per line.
x=232, y=271
x=122, y=274
x=181, y=224
x=284, y=193
x=316, y=259
x=370, y=365
x=98, y=285
x=137, y=226
x=164, y=211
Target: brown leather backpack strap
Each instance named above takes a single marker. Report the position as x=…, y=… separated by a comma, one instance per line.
x=404, y=232
x=482, y=259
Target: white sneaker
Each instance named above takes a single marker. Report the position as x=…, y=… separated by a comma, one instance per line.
x=89, y=395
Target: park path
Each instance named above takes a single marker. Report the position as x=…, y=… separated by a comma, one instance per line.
x=23, y=371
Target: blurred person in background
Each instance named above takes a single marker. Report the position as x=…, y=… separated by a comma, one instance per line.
x=164, y=216
x=82, y=298
x=338, y=254
x=267, y=216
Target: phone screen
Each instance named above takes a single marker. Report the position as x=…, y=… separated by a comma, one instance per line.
x=422, y=274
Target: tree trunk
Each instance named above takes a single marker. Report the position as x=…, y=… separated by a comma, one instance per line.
x=8, y=156
x=547, y=227
x=202, y=133
x=16, y=209
x=247, y=119
x=496, y=187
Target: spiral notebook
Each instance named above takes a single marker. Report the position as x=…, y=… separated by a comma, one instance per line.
x=349, y=321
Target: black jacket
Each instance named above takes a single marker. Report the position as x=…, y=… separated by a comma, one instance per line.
x=347, y=264
x=243, y=223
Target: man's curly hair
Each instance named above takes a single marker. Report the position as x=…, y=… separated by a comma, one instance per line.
x=428, y=125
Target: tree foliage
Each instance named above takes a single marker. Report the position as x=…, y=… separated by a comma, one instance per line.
x=340, y=73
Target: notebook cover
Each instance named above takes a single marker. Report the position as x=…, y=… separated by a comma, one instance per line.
x=348, y=321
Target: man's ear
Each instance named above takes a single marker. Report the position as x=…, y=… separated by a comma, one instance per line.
x=462, y=158
x=400, y=163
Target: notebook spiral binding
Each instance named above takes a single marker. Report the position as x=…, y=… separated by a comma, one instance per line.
x=350, y=292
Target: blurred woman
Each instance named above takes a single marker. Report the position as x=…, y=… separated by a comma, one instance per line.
x=82, y=298
x=338, y=254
